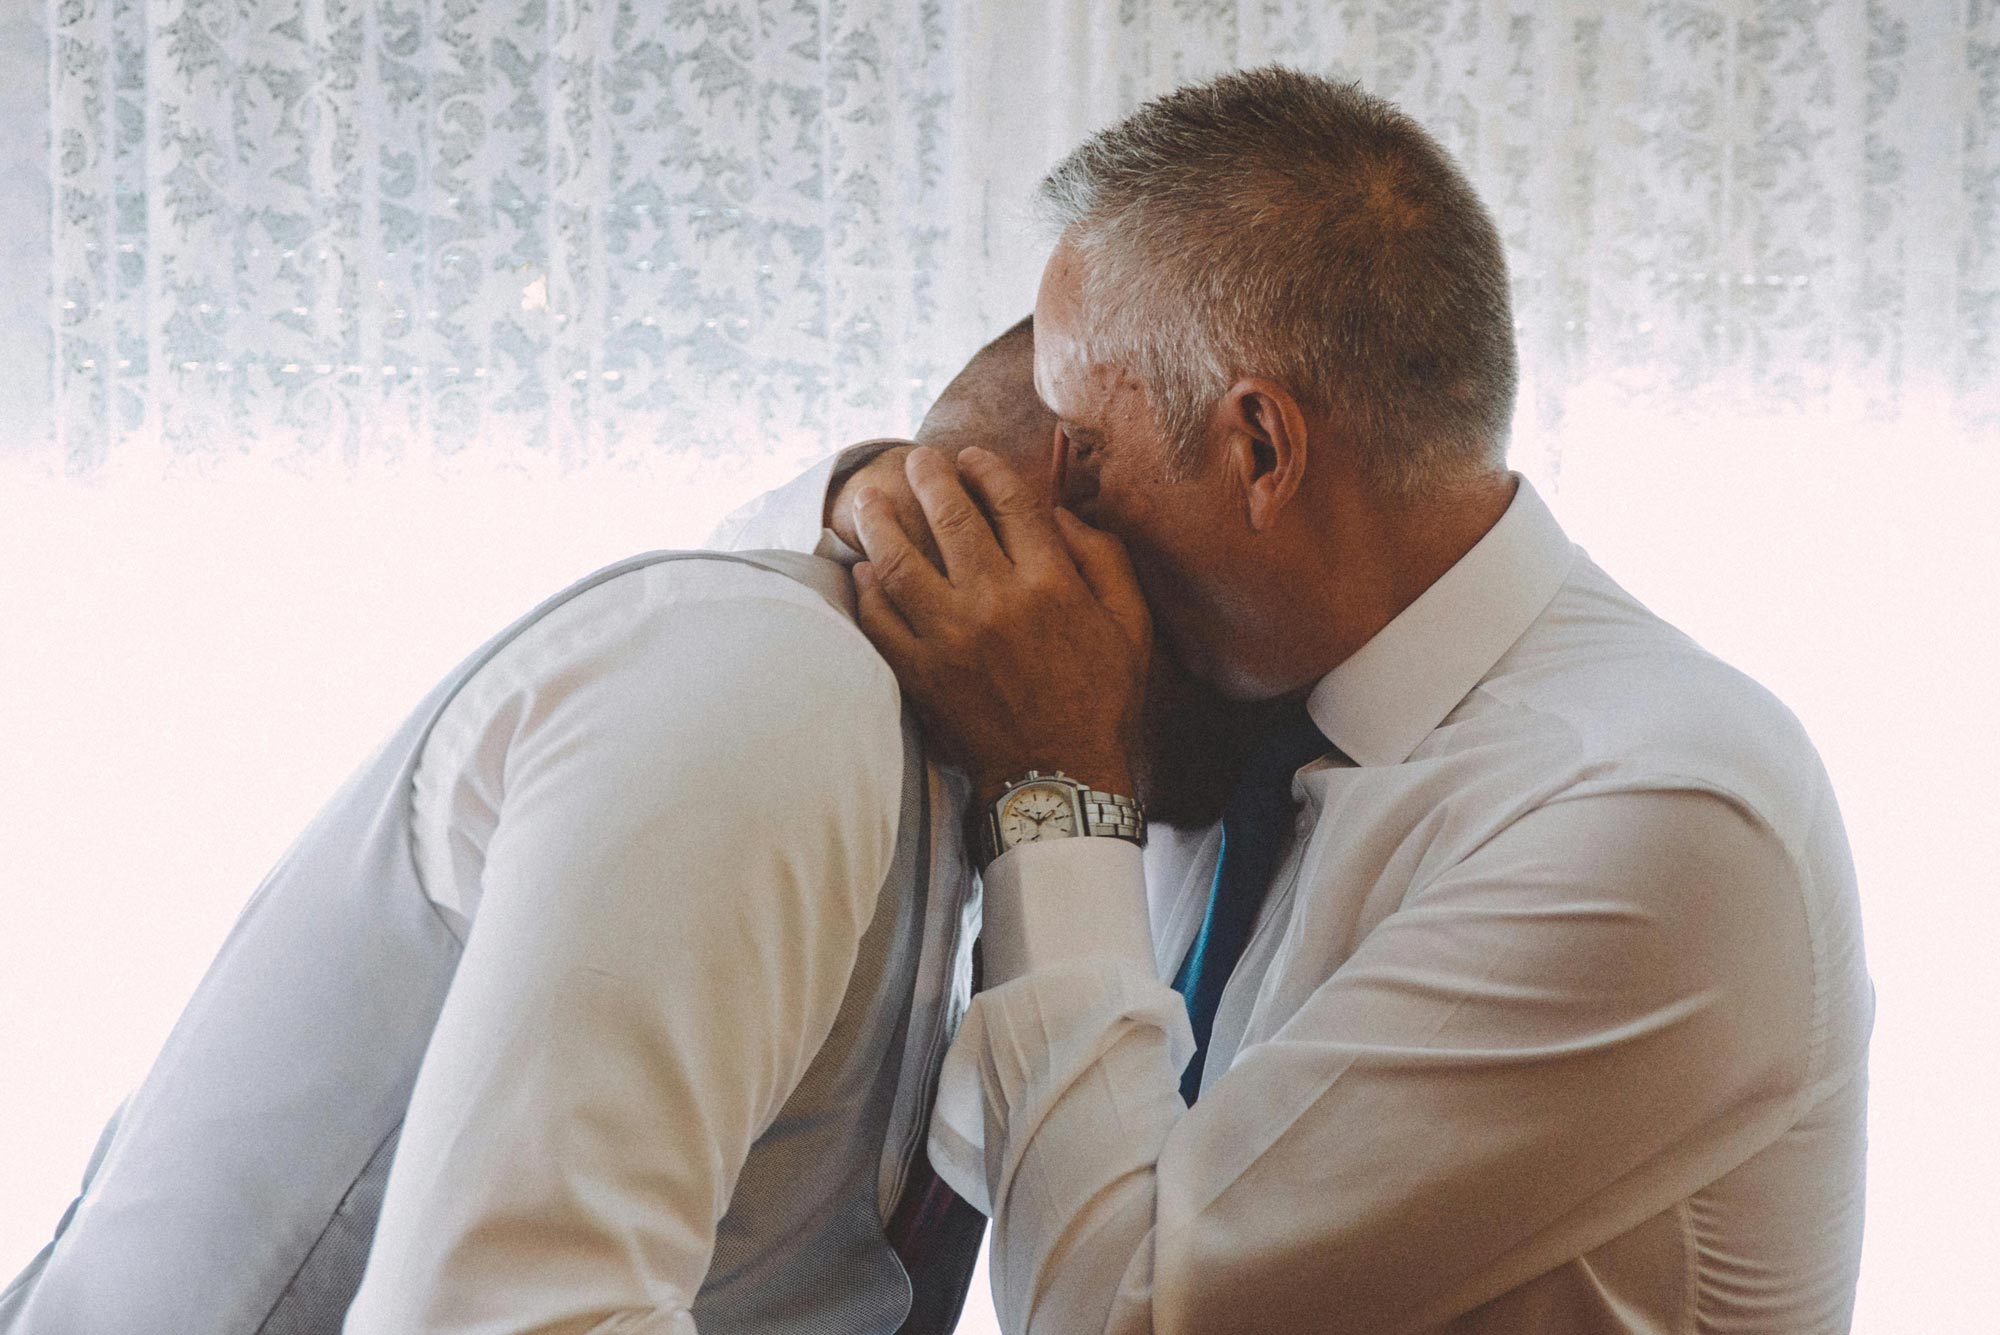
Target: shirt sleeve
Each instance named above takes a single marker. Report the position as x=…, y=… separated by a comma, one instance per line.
x=698, y=815
x=1603, y=1008
x=792, y=517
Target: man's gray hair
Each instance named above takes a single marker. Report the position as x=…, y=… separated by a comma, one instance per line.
x=1278, y=224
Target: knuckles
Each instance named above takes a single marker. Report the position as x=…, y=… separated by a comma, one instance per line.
x=952, y=520
x=893, y=564
x=1044, y=586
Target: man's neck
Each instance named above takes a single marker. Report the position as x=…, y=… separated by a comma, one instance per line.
x=1363, y=569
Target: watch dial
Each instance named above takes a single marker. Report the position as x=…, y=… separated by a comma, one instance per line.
x=1036, y=812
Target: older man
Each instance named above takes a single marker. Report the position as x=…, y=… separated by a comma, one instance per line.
x=1520, y=986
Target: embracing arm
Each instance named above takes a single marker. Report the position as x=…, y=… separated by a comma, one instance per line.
x=697, y=817
x=1599, y=1011
x=1603, y=1007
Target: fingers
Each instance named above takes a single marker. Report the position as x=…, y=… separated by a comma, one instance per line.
x=1102, y=561
x=901, y=569
x=963, y=536
x=884, y=472
x=1051, y=558
x=881, y=622
x=1022, y=517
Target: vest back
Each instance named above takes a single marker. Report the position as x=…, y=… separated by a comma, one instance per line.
x=237, y=1190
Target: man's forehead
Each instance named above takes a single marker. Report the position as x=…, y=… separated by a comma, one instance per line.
x=1056, y=353
x=1045, y=366
x=1058, y=308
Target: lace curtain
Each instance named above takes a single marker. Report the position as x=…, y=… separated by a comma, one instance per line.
x=344, y=231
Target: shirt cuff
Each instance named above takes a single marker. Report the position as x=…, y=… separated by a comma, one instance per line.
x=1051, y=902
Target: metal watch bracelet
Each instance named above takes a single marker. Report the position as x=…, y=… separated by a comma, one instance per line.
x=1097, y=814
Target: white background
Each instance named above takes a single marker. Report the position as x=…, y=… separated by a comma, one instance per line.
x=188, y=669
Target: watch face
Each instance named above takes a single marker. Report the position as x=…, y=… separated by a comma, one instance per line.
x=1036, y=811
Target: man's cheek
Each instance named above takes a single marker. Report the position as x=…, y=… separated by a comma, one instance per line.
x=1166, y=595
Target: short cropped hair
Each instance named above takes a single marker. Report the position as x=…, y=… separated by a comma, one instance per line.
x=1279, y=224
x=992, y=402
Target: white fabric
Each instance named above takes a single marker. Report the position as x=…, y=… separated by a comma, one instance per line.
x=1555, y=1017
x=697, y=763
x=791, y=517
x=608, y=228
x=1023, y=931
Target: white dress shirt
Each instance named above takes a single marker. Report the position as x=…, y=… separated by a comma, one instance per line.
x=1554, y=1018
x=700, y=768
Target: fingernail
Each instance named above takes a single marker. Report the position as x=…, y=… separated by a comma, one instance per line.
x=866, y=496
x=980, y=451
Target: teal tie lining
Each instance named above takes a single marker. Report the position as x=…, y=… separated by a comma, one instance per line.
x=1253, y=826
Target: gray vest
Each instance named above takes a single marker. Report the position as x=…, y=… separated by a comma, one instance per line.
x=236, y=1191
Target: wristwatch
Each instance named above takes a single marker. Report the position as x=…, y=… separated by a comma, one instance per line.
x=1055, y=806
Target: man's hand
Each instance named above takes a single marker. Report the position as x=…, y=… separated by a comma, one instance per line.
x=885, y=473
x=1030, y=649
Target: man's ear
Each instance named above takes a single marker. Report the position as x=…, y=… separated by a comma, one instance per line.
x=1266, y=433
x=1058, y=463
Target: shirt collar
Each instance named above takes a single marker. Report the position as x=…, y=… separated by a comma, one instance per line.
x=1381, y=703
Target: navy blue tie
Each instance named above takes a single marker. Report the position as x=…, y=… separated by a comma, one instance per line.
x=1253, y=824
